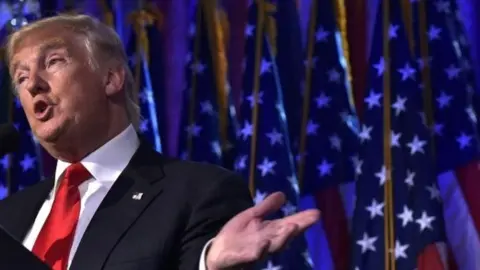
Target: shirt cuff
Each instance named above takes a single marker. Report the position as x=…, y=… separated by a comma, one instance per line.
x=203, y=262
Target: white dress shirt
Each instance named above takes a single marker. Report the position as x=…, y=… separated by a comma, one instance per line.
x=105, y=165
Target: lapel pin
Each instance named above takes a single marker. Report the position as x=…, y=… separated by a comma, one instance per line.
x=137, y=196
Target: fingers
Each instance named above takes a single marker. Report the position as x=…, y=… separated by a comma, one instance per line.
x=283, y=237
x=269, y=205
x=302, y=219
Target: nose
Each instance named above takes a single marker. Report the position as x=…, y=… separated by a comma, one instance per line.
x=37, y=84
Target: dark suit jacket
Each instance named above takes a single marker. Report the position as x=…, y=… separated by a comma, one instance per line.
x=184, y=205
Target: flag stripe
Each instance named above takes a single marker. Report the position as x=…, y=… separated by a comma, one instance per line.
x=335, y=224
x=468, y=180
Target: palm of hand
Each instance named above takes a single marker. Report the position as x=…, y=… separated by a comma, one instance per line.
x=247, y=237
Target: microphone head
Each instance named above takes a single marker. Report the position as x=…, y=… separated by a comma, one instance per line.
x=9, y=139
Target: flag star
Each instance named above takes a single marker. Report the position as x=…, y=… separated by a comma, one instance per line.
x=367, y=243
x=438, y=129
x=5, y=162
x=395, y=137
x=197, y=68
x=192, y=30
x=146, y=96
x=392, y=32
x=444, y=100
x=365, y=133
x=321, y=35
x=27, y=163
x=275, y=137
x=406, y=216
x=452, y=72
x=265, y=66
x=241, y=163
x=335, y=142
x=443, y=6
x=424, y=62
x=4, y=191
x=434, y=192
x=206, y=107
x=308, y=258
x=188, y=58
x=323, y=101
x=324, y=168
x=310, y=62
x=266, y=167
x=407, y=72
x=471, y=114
x=193, y=129
x=294, y=183
x=373, y=99
x=333, y=75
x=416, y=145
x=357, y=164
x=375, y=209
x=249, y=30
x=380, y=66
x=409, y=178
x=144, y=125
x=216, y=148
x=399, y=105
x=259, y=197
x=425, y=221
x=289, y=209
x=246, y=131
x=312, y=127
x=18, y=104
x=400, y=250
x=464, y=140
x=434, y=33
x=382, y=175
x=259, y=99
x=271, y=266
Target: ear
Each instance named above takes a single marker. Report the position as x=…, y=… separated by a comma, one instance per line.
x=115, y=80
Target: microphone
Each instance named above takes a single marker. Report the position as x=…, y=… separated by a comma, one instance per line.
x=9, y=139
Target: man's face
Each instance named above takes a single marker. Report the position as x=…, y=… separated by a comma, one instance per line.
x=58, y=90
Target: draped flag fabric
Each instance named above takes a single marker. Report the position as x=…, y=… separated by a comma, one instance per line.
x=200, y=134
x=398, y=221
x=328, y=144
x=289, y=49
x=146, y=61
x=449, y=87
x=265, y=157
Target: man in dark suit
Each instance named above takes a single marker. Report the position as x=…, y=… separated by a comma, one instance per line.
x=114, y=202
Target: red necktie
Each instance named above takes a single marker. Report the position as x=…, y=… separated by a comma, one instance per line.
x=56, y=237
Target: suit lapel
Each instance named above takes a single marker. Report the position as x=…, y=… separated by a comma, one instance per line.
x=120, y=208
x=25, y=205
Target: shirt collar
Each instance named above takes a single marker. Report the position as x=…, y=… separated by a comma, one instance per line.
x=107, y=162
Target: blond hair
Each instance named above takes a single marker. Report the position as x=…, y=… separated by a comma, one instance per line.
x=100, y=41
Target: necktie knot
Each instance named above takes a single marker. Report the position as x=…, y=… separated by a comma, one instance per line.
x=75, y=175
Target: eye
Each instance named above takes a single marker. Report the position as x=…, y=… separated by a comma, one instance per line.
x=20, y=80
x=53, y=61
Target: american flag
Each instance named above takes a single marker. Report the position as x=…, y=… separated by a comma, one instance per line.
x=264, y=153
x=145, y=54
x=23, y=168
x=398, y=221
x=454, y=127
x=328, y=142
x=200, y=134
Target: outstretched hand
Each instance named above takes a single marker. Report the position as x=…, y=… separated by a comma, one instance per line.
x=247, y=237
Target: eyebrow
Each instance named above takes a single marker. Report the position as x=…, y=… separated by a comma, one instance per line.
x=48, y=45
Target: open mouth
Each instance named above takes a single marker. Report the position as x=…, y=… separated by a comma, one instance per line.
x=42, y=110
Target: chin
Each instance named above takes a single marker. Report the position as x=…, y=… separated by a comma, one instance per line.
x=50, y=131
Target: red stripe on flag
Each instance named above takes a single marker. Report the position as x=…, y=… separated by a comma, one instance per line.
x=430, y=259
x=452, y=263
x=468, y=179
x=329, y=202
